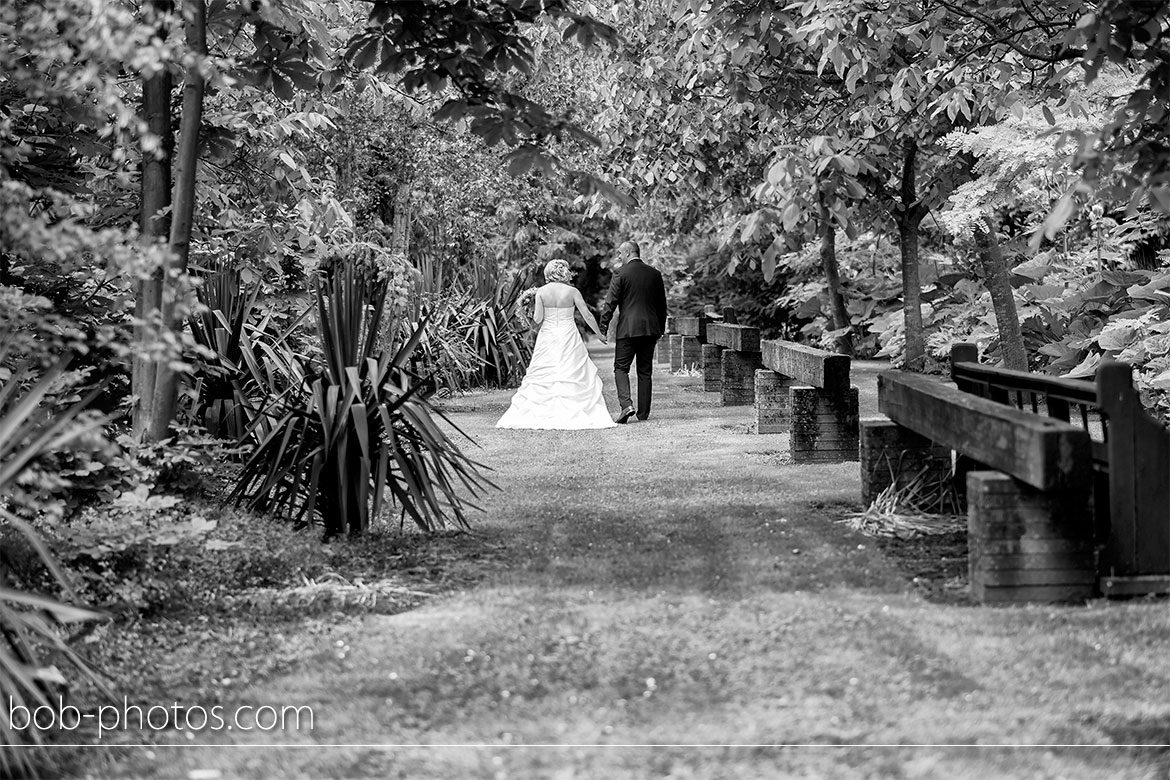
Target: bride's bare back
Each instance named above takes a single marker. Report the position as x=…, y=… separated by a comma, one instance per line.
x=557, y=295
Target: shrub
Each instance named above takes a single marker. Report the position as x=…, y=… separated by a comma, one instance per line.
x=358, y=425
x=473, y=337
x=32, y=625
x=470, y=341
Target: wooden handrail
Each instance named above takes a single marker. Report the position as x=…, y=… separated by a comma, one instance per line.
x=1059, y=394
x=1043, y=452
x=965, y=367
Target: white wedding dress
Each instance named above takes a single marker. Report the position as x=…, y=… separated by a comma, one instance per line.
x=561, y=389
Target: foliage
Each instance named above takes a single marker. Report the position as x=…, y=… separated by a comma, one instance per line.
x=702, y=279
x=472, y=337
x=468, y=341
x=117, y=548
x=760, y=122
x=32, y=625
x=446, y=353
x=465, y=52
x=356, y=426
x=1092, y=314
x=219, y=330
x=255, y=187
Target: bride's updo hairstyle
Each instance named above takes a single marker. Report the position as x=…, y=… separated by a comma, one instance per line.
x=557, y=271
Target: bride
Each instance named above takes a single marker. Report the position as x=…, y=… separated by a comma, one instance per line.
x=561, y=388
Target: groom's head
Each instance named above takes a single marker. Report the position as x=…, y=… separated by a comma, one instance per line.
x=628, y=251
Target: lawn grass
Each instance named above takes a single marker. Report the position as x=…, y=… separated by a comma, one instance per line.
x=676, y=583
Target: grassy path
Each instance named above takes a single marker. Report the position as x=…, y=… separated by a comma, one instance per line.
x=675, y=582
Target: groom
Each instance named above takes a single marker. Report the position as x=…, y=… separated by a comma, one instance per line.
x=636, y=290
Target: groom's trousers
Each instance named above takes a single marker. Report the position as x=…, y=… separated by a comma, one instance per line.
x=625, y=351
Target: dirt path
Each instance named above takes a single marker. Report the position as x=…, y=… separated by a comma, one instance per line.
x=677, y=583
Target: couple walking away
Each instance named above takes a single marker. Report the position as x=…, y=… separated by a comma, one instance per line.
x=561, y=389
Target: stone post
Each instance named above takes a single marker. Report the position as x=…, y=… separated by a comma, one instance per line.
x=676, y=352
x=772, y=402
x=1028, y=545
x=712, y=357
x=692, y=356
x=738, y=377
x=893, y=455
x=825, y=425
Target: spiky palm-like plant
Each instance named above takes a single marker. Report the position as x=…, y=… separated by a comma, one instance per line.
x=357, y=428
x=473, y=337
x=32, y=625
x=253, y=356
x=220, y=329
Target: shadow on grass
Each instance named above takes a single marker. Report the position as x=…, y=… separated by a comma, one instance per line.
x=1151, y=735
x=935, y=565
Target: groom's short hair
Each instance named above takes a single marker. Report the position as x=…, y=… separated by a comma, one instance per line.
x=633, y=249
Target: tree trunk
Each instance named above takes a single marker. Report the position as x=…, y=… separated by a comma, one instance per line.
x=909, y=213
x=996, y=279
x=400, y=242
x=166, y=388
x=154, y=225
x=833, y=277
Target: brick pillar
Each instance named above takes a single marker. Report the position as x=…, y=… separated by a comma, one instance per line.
x=692, y=355
x=738, y=378
x=712, y=368
x=771, y=401
x=824, y=425
x=1026, y=544
x=891, y=454
x=676, y=354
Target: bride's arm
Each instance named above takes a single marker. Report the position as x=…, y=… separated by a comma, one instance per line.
x=587, y=315
x=538, y=317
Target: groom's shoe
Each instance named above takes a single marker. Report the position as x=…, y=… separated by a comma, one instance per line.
x=626, y=414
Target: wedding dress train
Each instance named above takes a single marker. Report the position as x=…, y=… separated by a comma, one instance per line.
x=561, y=389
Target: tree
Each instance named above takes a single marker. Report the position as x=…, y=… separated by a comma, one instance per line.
x=438, y=47
x=1057, y=42
x=829, y=77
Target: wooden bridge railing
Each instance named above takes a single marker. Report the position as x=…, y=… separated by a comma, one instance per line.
x=1067, y=481
x=1029, y=525
x=1130, y=458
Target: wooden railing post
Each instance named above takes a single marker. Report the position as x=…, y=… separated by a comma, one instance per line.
x=1138, y=537
x=963, y=353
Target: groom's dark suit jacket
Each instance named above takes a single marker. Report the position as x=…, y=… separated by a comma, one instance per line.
x=636, y=289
